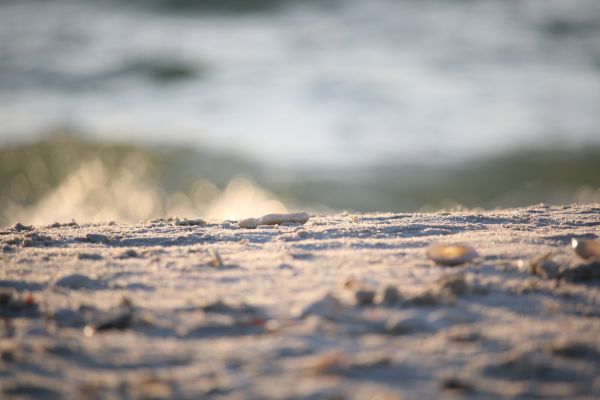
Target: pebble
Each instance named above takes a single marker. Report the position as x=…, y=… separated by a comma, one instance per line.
x=391, y=295
x=451, y=254
x=249, y=223
x=364, y=297
x=586, y=248
x=274, y=219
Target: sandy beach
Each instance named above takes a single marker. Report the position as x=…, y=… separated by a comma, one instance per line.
x=346, y=306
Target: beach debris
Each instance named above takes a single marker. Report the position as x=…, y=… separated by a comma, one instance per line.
x=190, y=222
x=364, y=297
x=586, y=248
x=216, y=260
x=391, y=295
x=451, y=254
x=77, y=281
x=274, y=219
x=544, y=267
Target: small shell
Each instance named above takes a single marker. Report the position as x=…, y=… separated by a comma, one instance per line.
x=274, y=219
x=586, y=248
x=451, y=254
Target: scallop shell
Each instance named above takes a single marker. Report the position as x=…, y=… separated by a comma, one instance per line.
x=451, y=254
x=586, y=248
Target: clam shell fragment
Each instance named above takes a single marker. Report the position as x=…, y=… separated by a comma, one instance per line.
x=586, y=248
x=451, y=254
x=274, y=219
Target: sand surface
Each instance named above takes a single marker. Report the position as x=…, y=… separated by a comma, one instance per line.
x=166, y=309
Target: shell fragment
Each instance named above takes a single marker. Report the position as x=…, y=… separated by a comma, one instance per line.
x=274, y=219
x=451, y=254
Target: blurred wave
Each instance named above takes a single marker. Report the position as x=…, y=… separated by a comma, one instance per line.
x=63, y=177
x=290, y=82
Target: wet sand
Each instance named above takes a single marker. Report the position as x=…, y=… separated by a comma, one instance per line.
x=346, y=306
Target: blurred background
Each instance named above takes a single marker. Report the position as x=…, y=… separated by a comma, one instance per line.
x=125, y=111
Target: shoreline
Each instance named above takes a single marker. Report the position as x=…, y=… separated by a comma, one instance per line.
x=344, y=306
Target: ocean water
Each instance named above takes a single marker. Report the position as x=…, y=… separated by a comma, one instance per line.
x=378, y=105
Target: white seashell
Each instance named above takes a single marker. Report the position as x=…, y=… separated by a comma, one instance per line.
x=451, y=254
x=586, y=248
x=248, y=223
x=274, y=219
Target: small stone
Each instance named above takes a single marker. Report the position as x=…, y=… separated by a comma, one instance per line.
x=391, y=295
x=451, y=254
x=586, y=248
x=249, y=223
x=77, y=281
x=364, y=297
